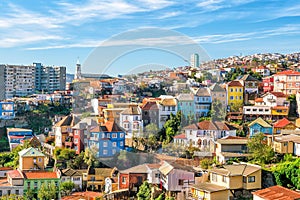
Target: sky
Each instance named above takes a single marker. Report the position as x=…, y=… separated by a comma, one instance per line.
x=58, y=32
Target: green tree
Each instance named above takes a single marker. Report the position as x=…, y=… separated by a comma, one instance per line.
x=151, y=129
x=260, y=151
x=47, y=191
x=172, y=126
x=29, y=195
x=287, y=174
x=218, y=111
x=67, y=187
x=144, y=192
x=90, y=156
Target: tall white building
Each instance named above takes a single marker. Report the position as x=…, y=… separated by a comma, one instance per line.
x=49, y=78
x=19, y=80
x=194, y=60
x=77, y=71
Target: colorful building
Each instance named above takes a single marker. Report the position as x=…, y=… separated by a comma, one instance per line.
x=186, y=105
x=287, y=82
x=31, y=159
x=202, y=102
x=7, y=110
x=235, y=95
x=17, y=135
x=260, y=126
x=108, y=138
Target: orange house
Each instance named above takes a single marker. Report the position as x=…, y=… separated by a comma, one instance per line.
x=31, y=159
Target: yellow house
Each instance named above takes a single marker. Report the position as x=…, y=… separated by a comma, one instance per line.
x=283, y=144
x=31, y=159
x=280, y=111
x=96, y=177
x=237, y=176
x=209, y=191
x=235, y=94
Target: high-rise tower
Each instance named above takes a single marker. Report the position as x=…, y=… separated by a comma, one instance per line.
x=194, y=60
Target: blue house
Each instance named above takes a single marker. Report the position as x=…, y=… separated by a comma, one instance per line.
x=108, y=138
x=17, y=135
x=260, y=126
x=7, y=110
x=202, y=102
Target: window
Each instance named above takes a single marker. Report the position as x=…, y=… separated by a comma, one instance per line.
x=251, y=179
x=244, y=179
x=121, y=135
x=108, y=135
x=28, y=185
x=0, y=193
x=8, y=192
x=76, y=140
x=231, y=97
x=123, y=180
x=104, y=152
x=191, y=132
x=56, y=183
x=285, y=144
x=40, y=160
x=231, y=90
x=240, y=97
x=121, y=143
x=104, y=144
x=180, y=182
x=114, y=151
x=76, y=178
x=35, y=184
x=114, y=144
x=157, y=175
x=114, y=135
x=224, y=179
x=214, y=177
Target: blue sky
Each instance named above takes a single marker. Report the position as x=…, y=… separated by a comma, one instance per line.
x=57, y=32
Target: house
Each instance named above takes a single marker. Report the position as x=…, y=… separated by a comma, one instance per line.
x=276, y=193
x=150, y=113
x=78, y=139
x=74, y=176
x=260, y=126
x=273, y=99
x=175, y=177
x=256, y=111
x=231, y=147
x=180, y=139
x=202, y=102
x=131, y=121
x=284, y=144
x=218, y=93
x=31, y=159
x=209, y=191
x=108, y=138
x=203, y=134
x=237, y=176
x=235, y=95
x=250, y=84
x=287, y=82
x=133, y=178
x=63, y=130
x=268, y=84
x=33, y=180
x=96, y=178
x=17, y=135
x=12, y=184
x=7, y=110
x=167, y=105
x=186, y=105
x=4, y=170
x=283, y=124
x=262, y=70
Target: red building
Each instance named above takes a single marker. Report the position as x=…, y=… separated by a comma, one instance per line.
x=268, y=84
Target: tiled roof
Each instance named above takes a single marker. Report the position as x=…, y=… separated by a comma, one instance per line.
x=31, y=152
x=221, y=126
x=15, y=174
x=259, y=100
x=203, y=92
x=109, y=126
x=40, y=175
x=191, y=126
x=180, y=136
x=234, y=84
x=153, y=166
x=282, y=123
x=105, y=172
x=261, y=122
x=277, y=193
x=150, y=106
x=167, y=167
x=207, y=125
x=90, y=121
x=278, y=94
x=69, y=120
x=248, y=77
x=185, y=97
x=233, y=140
x=208, y=187
x=5, y=168
x=288, y=72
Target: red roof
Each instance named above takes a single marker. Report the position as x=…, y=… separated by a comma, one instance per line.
x=235, y=84
x=277, y=193
x=181, y=136
x=288, y=72
x=5, y=168
x=150, y=105
x=15, y=174
x=282, y=123
x=278, y=94
x=207, y=125
x=41, y=175
x=259, y=100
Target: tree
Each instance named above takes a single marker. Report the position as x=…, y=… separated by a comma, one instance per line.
x=260, y=151
x=218, y=111
x=29, y=195
x=151, y=129
x=47, y=191
x=67, y=187
x=172, y=126
x=144, y=191
x=90, y=156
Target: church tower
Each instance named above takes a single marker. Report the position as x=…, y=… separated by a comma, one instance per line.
x=77, y=71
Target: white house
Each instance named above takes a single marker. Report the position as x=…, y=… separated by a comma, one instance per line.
x=275, y=99
x=166, y=106
x=72, y=175
x=175, y=177
x=131, y=121
x=153, y=173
